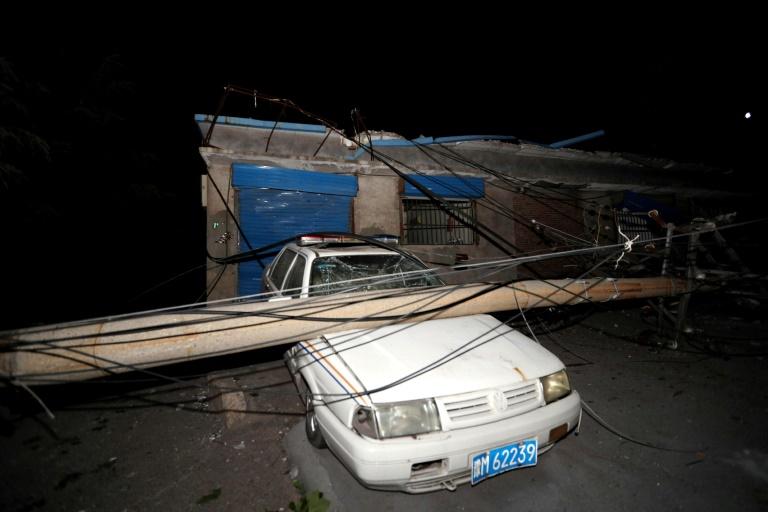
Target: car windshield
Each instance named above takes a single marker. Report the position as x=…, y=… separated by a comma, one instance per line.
x=329, y=273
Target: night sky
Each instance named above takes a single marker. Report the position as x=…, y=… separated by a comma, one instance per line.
x=100, y=184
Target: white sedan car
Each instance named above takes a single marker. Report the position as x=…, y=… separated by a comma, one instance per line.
x=322, y=265
x=434, y=404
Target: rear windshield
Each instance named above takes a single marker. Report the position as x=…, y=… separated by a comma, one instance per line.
x=330, y=273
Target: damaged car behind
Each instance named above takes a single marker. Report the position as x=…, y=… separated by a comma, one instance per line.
x=323, y=264
x=434, y=404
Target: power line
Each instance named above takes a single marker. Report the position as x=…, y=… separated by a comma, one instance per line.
x=319, y=301
x=279, y=308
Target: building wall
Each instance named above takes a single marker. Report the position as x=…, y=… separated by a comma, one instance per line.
x=491, y=213
x=508, y=215
x=222, y=236
x=378, y=209
x=557, y=211
x=377, y=206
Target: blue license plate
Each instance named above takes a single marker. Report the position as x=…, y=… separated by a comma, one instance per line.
x=498, y=460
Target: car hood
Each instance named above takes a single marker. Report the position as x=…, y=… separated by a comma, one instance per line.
x=440, y=357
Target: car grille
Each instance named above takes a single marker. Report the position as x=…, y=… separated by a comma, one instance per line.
x=522, y=397
x=489, y=405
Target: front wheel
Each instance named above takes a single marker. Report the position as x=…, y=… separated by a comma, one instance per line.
x=312, y=426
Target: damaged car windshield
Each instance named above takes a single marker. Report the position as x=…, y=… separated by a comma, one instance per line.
x=330, y=273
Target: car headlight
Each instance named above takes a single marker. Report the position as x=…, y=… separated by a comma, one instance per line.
x=556, y=386
x=397, y=419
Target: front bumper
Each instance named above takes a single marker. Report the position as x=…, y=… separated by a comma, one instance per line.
x=441, y=459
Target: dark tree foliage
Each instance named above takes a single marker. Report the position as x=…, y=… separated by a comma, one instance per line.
x=98, y=189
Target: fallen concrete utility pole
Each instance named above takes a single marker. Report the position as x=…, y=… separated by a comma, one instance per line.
x=84, y=350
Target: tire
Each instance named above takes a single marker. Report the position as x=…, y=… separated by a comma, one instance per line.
x=312, y=426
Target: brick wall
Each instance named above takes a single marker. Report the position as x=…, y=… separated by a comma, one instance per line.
x=560, y=213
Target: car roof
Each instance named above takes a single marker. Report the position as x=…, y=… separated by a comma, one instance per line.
x=324, y=250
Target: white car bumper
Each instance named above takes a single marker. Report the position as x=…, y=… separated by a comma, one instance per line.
x=441, y=459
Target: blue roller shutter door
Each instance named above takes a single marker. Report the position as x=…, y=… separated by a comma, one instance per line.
x=277, y=203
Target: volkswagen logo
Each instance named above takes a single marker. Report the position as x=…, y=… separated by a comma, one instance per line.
x=498, y=400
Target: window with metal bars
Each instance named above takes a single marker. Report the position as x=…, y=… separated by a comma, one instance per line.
x=426, y=224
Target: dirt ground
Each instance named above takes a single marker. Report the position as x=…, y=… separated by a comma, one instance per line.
x=128, y=447
x=213, y=441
